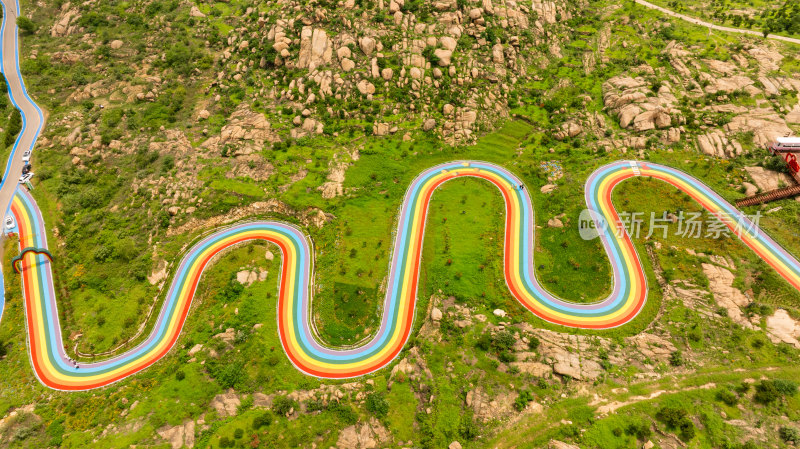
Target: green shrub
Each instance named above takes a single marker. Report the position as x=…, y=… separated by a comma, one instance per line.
x=229, y=375
x=785, y=387
x=727, y=396
x=314, y=405
x=238, y=433
x=789, y=434
x=507, y=357
x=687, y=430
x=429, y=54
x=13, y=128
x=677, y=418
x=484, y=342
x=503, y=341
x=671, y=416
x=262, y=420
x=377, y=404
x=533, y=342
x=343, y=412
x=766, y=393
x=282, y=405
x=56, y=432
x=468, y=429
x=676, y=358
x=180, y=375
x=522, y=401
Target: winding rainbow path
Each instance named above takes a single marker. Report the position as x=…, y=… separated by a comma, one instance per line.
x=55, y=370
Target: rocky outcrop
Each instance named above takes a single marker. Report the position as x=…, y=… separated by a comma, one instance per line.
x=179, y=436
x=247, y=277
x=549, y=11
x=488, y=407
x=720, y=282
x=572, y=365
x=368, y=435
x=308, y=217
x=568, y=129
x=765, y=124
x=460, y=123
x=246, y=131
x=652, y=346
x=412, y=366
x=67, y=22
x=782, y=328
x=731, y=84
x=631, y=100
x=767, y=180
x=226, y=404
x=716, y=144
x=556, y=444
x=333, y=187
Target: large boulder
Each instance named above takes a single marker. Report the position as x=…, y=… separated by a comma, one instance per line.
x=444, y=56
x=365, y=87
x=367, y=45
x=448, y=43
x=315, y=48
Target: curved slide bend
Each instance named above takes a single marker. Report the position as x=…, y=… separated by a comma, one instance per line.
x=55, y=370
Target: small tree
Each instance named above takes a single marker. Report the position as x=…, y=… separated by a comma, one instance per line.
x=766, y=393
x=26, y=25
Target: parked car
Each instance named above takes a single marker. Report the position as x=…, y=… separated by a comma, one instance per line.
x=9, y=222
x=26, y=156
x=26, y=177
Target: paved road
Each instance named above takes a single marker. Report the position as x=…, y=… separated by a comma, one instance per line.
x=32, y=116
x=712, y=26
x=33, y=119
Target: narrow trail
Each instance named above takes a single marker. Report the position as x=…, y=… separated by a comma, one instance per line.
x=712, y=26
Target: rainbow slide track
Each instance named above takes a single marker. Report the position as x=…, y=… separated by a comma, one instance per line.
x=55, y=370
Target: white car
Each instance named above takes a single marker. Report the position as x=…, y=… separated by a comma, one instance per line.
x=9, y=222
x=26, y=156
x=26, y=177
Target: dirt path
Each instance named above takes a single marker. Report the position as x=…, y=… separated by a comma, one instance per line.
x=613, y=406
x=712, y=26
